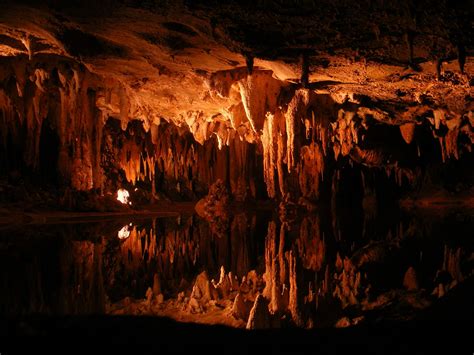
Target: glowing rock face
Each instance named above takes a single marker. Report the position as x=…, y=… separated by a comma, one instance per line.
x=124, y=233
x=123, y=196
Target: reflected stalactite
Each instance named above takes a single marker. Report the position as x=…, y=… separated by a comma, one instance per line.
x=59, y=277
x=174, y=252
x=311, y=245
x=82, y=268
x=274, y=272
x=301, y=275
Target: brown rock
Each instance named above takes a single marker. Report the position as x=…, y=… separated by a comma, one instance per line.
x=343, y=323
x=202, y=288
x=339, y=262
x=408, y=132
x=240, y=308
x=149, y=295
x=259, y=317
x=410, y=281
x=224, y=285
x=159, y=299
x=156, y=285
x=194, y=306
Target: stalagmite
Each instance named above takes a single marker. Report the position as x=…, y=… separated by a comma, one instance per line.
x=451, y=263
x=241, y=308
x=224, y=285
x=156, y=284
x=259, y=317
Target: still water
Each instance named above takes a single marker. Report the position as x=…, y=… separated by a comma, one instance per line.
x=317, y=270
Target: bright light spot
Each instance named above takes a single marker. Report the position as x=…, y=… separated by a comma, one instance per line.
x=124, y=233
x=123, y=196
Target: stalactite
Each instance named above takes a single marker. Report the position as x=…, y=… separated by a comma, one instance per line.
x=296, y=111
x=344, y=131
x=407, y=131
x=311, y=169
x=281, y=155
x=249, y=60
x=449, y=140
x=451, y=263
x=304, y=70
x=259, y=93
x=269, y=154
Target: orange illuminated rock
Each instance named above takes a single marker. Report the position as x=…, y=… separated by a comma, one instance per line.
x=410, y=280
x=408, y=132
x=259, y=317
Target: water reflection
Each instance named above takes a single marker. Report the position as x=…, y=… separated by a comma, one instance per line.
x=314, y=271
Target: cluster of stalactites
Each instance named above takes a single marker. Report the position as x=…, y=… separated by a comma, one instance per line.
x=245, y=98
x=296, y=141
x=453, y=125
x=176, y=155
x=298, y=129
x=58, y=93
x=333, y=131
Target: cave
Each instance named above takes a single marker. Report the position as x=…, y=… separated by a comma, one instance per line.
x=237, y=171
